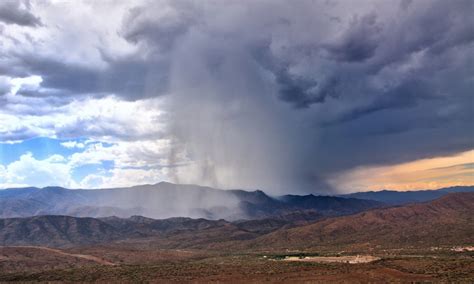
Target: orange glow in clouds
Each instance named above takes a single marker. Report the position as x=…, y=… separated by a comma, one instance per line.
x=430, y=173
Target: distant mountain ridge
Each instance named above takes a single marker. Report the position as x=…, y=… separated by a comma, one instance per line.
x=165, y=200
x=403, y=197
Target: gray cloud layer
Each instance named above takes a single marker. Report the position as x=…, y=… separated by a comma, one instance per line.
x=18, y=12
x=282, y=96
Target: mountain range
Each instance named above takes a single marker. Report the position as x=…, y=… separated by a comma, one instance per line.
x=165, y=200
x=445, y=221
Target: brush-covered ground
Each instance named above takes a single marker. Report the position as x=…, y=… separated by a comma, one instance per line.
x=130, y=263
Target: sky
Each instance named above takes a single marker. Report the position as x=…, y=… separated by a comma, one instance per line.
x=285, y=96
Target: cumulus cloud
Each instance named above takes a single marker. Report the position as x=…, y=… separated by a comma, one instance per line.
x=125, y=154
x=104, y=118
x=27, y=171
x=132, y=163
x=72, y=144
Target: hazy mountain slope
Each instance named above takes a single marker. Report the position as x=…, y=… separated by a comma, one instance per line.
x=57, y=231
x=448, y=220
x=165, y=200
x=21, y=207
x=17, y=192
x=403, y=197
x=458, y=189
x=328, y=205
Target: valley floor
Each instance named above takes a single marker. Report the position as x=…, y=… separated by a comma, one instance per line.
x=128, y=264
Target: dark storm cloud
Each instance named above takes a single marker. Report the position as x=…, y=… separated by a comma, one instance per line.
x=384, y=90
x=393, y=136
x=298, y=90
x=438, y=27
x=367, y=48
x=157, y=28
x=4, y=86
x=358, y=42
x=404, y=96
x=130, y=78
x=18, y=12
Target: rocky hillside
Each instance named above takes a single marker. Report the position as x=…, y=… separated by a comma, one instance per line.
x=446, y=221
x=58, y=231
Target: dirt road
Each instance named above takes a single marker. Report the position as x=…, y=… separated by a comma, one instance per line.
x=82, y=256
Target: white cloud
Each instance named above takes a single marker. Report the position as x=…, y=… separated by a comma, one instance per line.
x=64, y=33
x=105, y=118
x=3, y=172
x=72, y=144
x=149, y=153
x=134, y=162
x=26, y=83
x=28, y=171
